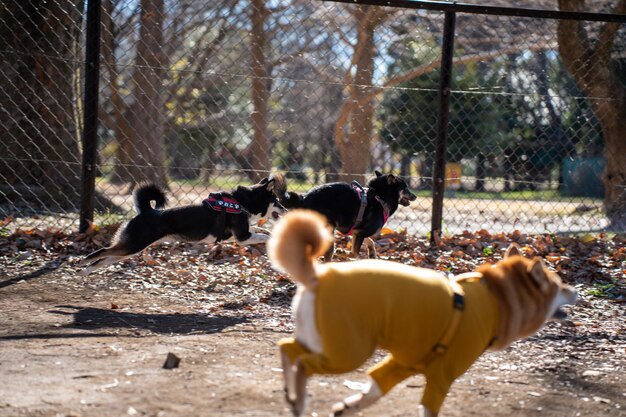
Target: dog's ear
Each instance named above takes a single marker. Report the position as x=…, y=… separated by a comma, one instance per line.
x=269, y=185
x=538, y=273
x=513, y=250
x=391, y=179
x=378, y=174
x=264, y=181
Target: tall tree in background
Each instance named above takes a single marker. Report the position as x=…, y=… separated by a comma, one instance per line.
x=117, y=120
x=141, y=154
x=38, y=118
x=593, y=69
x=259, y=148
x=194, y=34
x=353, y=130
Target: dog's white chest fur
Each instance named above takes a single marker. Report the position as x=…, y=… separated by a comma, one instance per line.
x=303, y=306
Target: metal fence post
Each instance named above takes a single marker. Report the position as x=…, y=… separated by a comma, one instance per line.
x=439, y=169
x=90, y=114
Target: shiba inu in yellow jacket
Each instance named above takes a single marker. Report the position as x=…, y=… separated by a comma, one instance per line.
x=428, y=323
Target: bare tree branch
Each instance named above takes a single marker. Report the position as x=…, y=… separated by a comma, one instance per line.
x=606, y=39
x=435, y=64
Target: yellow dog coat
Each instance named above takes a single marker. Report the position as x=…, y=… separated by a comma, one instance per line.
x=405, y=310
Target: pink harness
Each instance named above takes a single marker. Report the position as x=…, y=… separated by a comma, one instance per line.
x=386, y=209
x=363, y=197
x=360, y=192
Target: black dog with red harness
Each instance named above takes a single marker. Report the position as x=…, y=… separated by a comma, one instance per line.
x=222, y=216
x=353, y=209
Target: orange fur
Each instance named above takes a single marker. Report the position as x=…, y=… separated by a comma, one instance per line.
x=297, y=241
x=524, y=289
x=519, y=296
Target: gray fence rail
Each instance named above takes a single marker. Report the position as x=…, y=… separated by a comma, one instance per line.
x=521, y=134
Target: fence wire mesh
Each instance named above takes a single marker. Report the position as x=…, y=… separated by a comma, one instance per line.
x=198, y=96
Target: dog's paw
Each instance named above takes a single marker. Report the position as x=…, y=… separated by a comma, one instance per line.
x=290, y=398
x=257, y=229
x=85, y=271
x=297, y=408
x=215, y=250
x=339, y=409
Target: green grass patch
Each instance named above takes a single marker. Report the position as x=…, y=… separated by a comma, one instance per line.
x=601, y=289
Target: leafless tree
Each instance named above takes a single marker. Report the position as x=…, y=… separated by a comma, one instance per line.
x=141, y=152
x=38, y=117
x=592, y=67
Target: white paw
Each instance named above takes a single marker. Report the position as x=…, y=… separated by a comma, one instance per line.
x=85, y=271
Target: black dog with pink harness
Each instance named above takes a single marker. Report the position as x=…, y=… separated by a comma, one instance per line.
x=362, y=193
x=352, y=209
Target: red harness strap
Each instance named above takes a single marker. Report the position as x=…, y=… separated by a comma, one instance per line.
x=363, y=196
x=386, y=209
x=220, y=203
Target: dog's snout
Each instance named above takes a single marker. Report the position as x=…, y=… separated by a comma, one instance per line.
x=571, y=295
x=277, y=210
x=406, y=197
x=280, y=207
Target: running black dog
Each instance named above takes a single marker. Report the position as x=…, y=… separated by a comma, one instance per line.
x=352, y=209
x=222, y=216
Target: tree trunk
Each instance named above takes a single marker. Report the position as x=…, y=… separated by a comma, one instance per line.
x=119, y=123
x=37, y=105
x=591, y=67
x=260, y=94
x=144, y=150
x=354, y=148
x=560, y=145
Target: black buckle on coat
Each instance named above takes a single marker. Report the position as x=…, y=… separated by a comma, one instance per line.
x=458, y=301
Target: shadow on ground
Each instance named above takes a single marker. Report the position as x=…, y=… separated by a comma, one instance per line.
x=109, y=322
x=46, y=268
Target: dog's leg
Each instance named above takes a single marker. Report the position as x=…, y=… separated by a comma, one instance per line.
x=438, y=382
x=289, y=379
x=328, y=256
x=357, y=402
x=426, y=412
x=254, y=239
x=101, y=263
x=357, y=242
x=242, y=234
x=106, y=256
x=371, y=248
x=300, y=387
x=294, y=374
x=258, y=229
x=89, y=269
x=93, y=255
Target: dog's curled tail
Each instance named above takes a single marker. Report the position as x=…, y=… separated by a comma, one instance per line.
x=146, y=194
x=297, y=240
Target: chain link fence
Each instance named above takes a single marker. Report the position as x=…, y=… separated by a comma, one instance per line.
x=199, y=96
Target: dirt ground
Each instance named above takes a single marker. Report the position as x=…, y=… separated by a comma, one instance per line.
x=95, y=346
